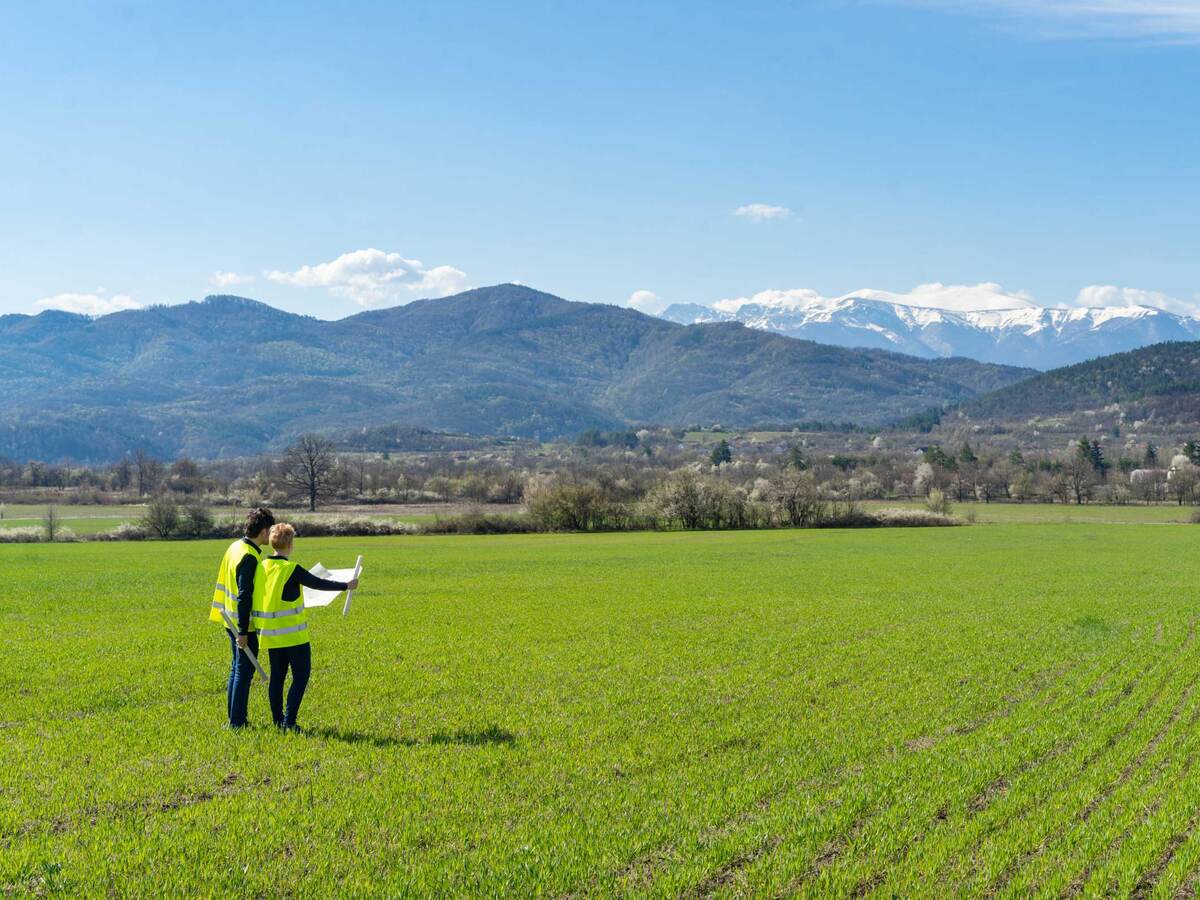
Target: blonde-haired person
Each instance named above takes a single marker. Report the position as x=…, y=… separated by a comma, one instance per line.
x=282, y=625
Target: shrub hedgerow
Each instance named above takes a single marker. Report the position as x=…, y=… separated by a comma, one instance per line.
x=21, y=535
x=126, y=531
x=847, y=514
x=345, y=526
x=480, y=523
x=196, y=522
x=896, y=517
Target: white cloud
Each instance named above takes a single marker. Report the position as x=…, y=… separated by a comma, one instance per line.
x=761, y=212
x=1169, y=21
x=372, y=277
x=1110, y=295
x=97, y=303
x=647, y=302
x=229, y=279
x=957, y=297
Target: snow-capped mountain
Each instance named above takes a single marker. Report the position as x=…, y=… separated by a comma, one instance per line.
x=1022, y=334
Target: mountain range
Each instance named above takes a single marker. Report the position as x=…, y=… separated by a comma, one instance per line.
x=1032, y=336
x=1158, y=384
x=230, y=376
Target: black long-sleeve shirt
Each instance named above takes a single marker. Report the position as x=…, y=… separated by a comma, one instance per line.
x=245, y=585
x=300, y=578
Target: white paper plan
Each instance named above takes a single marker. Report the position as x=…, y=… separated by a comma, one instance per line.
x=324, y=598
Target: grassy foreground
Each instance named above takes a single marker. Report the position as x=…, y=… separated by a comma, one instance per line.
x=1007, y=710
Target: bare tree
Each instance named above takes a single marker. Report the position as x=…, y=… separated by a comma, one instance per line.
x=308, y=467
x=441, y=486
x=360, y=468
x=797, y=497
x=1080, y=476
x=1183, y=482
x=51, y=523
x=405, y=484
x=122, y=474
x=148, y=471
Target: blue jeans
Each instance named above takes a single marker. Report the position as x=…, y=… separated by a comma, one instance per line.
x=299, y=660
x=241, y=673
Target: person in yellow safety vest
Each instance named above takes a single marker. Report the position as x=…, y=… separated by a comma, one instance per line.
x=234, y=594
x=282, y=625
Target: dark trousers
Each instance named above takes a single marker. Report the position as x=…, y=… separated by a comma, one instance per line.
x=299, y=660
x=241, y=673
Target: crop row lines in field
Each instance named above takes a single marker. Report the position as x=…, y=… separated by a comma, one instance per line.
x=1051, y=748
x=1077, y=884
x=942, y=814
x=1138, y=785
x=1073, y=799
x=231, y=786
x=643, y=870
x=1146, y=869
x=829, y=855
x=1039, y=795
x=726, y=875
x=645, y=866
x=1150, y=879
x=840, y=837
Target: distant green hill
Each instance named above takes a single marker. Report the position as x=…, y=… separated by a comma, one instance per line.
x=231, y=376
x=1163, y=380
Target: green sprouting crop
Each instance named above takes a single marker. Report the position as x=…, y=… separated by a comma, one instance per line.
x=1006, y=710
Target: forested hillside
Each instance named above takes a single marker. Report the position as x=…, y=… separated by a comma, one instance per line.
x=231, y=376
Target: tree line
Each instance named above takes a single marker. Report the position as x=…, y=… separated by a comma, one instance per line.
x=627, y=468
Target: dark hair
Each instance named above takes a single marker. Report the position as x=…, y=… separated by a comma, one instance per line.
x=256, y=520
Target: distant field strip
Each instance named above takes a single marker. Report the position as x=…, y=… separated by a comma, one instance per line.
x=1004, y=711
x=1059, y=513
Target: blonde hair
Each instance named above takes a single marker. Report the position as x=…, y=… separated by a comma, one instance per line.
x=281, y=535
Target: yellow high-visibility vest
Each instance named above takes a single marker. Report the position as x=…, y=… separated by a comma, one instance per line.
x=225, y=593
x=279, y=623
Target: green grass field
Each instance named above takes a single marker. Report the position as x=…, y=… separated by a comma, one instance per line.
x=86, y=520
x=81, y=519
x=90, y=519
x=1009, y=710
x=1059, y=513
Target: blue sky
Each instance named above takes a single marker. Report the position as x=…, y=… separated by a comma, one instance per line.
x=329, y=157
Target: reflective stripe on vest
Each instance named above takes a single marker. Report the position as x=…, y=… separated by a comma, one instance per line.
x=224, y=597
x=269, y=606
x=277, y=614
x=276, y=632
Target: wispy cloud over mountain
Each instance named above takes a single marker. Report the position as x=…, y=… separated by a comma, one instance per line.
x=229, y=279
x=1112, y=296
x=97, y=303
x=647, y=302
x=372, y=277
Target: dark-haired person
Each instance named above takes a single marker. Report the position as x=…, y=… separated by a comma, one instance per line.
x=234, y=594
x=282, y=624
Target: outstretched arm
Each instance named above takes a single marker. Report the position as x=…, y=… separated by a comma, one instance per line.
x=309, y=580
